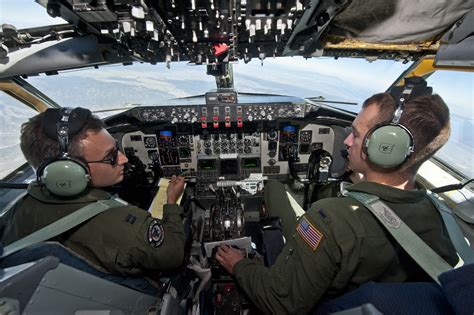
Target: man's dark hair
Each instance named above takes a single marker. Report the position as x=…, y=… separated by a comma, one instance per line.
x=38, y=147
x=427, y=118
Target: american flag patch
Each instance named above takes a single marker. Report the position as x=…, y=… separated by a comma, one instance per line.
x=309, y=233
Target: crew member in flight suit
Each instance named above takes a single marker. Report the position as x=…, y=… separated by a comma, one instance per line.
x=338, y=244
x=122, y=240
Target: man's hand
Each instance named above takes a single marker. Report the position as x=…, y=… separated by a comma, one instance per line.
x=228, y=257
x=175, y=189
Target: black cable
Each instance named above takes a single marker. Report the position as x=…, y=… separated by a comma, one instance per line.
x=451, y=187
x=346, y=176
x=13, y=185
x=306, y=200
x=291, y=161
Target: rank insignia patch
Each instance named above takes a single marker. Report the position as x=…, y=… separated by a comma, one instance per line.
x=309, y=233
x=130, y=219
x=156, y=234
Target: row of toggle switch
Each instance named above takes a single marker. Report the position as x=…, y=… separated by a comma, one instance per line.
x=211, y=117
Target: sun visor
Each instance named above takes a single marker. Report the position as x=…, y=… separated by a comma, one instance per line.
x=457, y=45
x=398, y=21
x=52, y=56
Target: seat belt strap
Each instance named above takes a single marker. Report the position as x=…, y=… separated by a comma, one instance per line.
x=455, y=233
x=421, y=253
x=62, y=225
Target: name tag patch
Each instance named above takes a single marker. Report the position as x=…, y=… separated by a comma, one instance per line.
x=156, y=234
x=309, y=233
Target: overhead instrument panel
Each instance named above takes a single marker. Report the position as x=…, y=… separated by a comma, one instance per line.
x=214, y=33
x=203, y=32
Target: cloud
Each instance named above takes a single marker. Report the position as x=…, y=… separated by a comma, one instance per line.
x=358, y=71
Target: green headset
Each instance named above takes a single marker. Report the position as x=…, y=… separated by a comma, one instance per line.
x=389, y=145
x=64, y=175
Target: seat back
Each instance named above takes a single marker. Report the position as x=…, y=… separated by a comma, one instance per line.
x=458, y=287
x=47, y=286
x=455, y=296
x=69, y=258
x=391, y=298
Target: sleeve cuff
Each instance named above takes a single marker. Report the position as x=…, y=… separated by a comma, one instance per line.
x=172, y=209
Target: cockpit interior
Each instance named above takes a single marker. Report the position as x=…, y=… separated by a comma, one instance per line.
x=226, y=143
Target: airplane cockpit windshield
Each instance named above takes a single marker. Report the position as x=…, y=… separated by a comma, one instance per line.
x=345, y=84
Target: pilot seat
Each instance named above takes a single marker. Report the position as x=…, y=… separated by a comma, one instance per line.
x=454, y=296
x=49, y=278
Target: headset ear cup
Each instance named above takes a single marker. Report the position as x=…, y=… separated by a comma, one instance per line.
x=388, y=145
x=64, y=177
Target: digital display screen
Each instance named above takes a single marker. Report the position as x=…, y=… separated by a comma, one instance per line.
x=229, y=167
x=207, y=165
x=251, y=163
x=166, y=134
x=289, y=129
x=324, y=131
x=135, y=138
x=288, y=133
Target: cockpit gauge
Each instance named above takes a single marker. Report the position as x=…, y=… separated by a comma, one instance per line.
x=150, y=115
x=150, y=142
x=183, y=140
x=145, y=116
x=272, y=135
x=153, y=155
x=305, y=136
x=184, y=152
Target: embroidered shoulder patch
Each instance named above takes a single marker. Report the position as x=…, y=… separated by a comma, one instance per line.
x=309, y=233
x=156, y=233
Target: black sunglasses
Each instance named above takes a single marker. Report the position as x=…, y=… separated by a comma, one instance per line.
x=112, y=157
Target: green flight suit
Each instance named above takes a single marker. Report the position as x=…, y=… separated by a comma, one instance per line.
x=123, y=240
x=345, y=247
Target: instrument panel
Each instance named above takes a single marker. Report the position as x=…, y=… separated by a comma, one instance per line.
x=227, y=153
x=223, y=135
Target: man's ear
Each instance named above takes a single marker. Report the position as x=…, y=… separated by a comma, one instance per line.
x=91, y=179
x=363, y=155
